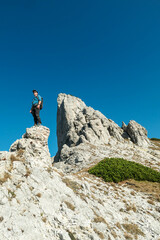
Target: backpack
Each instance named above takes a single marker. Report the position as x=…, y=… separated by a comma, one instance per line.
x=41, y=105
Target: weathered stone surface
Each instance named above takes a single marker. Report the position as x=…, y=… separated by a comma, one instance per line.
x=80, y=129
x=34, y=144
x=137, y=133
x=47, y=204
x=77, y=123
x=4, y=163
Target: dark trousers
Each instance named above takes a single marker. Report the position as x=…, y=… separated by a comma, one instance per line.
x=35, y=113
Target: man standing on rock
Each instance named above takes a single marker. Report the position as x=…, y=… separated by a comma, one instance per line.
x=36, y=102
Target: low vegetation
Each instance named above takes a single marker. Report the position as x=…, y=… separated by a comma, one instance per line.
x=100, y=234
x=99, y=219
x=18, y=156
x=28, y=172
x=155, y=139
x=5, y=177
x=133, y=229
x=119, y=169
x=151, y=189
x=70, y=205
x=76, y=187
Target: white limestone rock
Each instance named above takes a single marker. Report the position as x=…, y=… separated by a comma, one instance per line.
x=137, y=133
x=80, y=129
x=34, y=144
x=77, y=123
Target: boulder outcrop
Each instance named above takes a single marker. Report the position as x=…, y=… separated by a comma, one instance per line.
x=83, y=132
x=77, y=123
x=34, y=144
x=31, y=148
x=137, y=133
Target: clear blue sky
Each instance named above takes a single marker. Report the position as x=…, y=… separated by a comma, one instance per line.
x=105, y=52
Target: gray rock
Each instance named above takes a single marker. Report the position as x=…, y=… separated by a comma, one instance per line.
x=77, y=123
x=137, y=133
x=33, y=145
x=124, y=126
x=84, y=134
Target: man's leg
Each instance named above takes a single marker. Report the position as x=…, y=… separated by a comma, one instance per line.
x=34, y=115
x=37, y=110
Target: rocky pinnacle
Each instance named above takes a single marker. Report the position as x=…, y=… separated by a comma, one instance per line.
x=81, y=128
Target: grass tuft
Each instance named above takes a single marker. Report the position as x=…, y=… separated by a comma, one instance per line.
x=100, y=234
x=133, y=229
x=70, y=205
x=5, y=178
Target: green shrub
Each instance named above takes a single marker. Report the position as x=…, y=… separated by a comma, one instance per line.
x=119, y=169
x=155, y=139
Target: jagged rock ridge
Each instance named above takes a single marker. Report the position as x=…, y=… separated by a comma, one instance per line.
x=81, y=128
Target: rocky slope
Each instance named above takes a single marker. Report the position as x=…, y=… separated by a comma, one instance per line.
x=86, y=136
x=40, y=201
